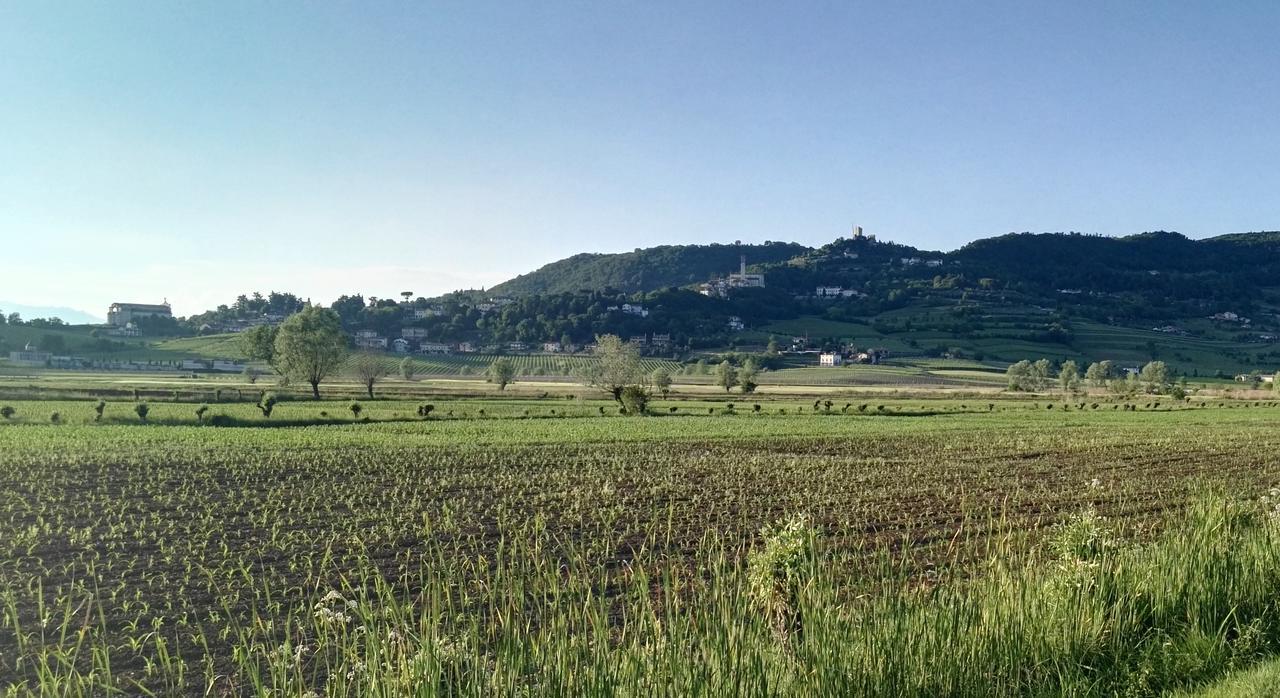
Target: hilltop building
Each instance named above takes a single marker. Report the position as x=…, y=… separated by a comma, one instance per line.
x=720, y=287
x=121, y=314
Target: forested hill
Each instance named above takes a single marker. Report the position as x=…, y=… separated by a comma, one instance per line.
x=646, y=269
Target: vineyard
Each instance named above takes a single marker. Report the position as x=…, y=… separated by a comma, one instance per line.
x=551, y=547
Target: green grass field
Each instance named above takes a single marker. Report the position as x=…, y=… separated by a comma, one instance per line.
x=547, y=546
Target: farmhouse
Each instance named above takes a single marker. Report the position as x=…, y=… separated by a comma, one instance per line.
x=552, y=347
x=369, y=339
x=414, y=333
x=400, y=345
x=831, y=359
x=735, y=324
x=121, y=314
x=436, y=348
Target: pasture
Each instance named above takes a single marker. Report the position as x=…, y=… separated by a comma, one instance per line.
x=549, y=546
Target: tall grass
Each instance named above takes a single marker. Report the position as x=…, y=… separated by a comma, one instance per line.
x=1088, y=615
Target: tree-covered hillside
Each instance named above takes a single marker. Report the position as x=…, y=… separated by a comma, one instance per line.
x=646, y=269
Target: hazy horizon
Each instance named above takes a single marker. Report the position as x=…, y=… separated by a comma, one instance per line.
x=201, y=151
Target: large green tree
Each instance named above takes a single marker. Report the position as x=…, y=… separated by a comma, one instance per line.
x=617, y=366
x=502, y=372
x=310, y=346
x=726, y=375
x=259, y=343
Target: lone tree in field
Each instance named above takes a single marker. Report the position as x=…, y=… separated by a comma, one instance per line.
x=368, y=369
x=617, y=366
x=726, y=375
x=748, y=375
x=1155, y=377
x=310, y=346
x=1069, y=376
x=661, y=381
x=408, y=369
x=502, y=372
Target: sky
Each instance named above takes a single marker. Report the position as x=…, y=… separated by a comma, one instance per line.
x=195, y=151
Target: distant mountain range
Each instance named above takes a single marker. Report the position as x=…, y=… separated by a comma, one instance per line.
x=70, y=316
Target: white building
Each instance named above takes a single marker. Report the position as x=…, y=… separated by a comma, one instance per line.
x=552, y=347
x=121, y=314
x=831, y=359
x=435, y=348
x=414, y=333
x=735, y=324
x=400, y=345
x=30, y=356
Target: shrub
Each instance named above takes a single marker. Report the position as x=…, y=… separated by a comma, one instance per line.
x=425, y=411
x=200, y=413
x=779, y=572
x=56, y=418
x=7, y=412
x=634, y=399
x=356, y=408
x=267, y=404
x=97, y=410
x=141, y=409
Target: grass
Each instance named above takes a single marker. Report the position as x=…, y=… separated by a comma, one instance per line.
x=948, y=552
x=1262, y=681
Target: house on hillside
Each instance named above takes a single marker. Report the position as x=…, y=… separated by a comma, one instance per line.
x=121, y=314
x=735, y=324
x=435, y=348
x=400, y=345
x=517, y=346
x=370, y=339
x=414, y=332
x=466, y=347
x=831, y=359
x=552, y=347
x=660, y=341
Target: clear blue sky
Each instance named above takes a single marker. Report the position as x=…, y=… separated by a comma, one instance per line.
x=198, y=150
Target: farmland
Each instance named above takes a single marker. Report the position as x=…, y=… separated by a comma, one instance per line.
x=547, y=546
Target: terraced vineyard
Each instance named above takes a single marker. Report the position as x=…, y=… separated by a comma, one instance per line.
x=569, y=553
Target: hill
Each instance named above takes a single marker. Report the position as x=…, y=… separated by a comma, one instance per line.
x=647, y=269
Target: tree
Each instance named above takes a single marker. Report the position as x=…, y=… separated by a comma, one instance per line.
x=772, y=348
x=310, y=345
x=726, y=375
x=251, y=374
x=1099, y=373
x=635, y=400
x=661, y=381
x=1155, y=377
x=747, y=376
x=1018, y=376
x=503, y=372
x=368, y=369
x=259, y=343
x=408, y=369
x=1069, y=376
x=1040, y=372
x=617, y=366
